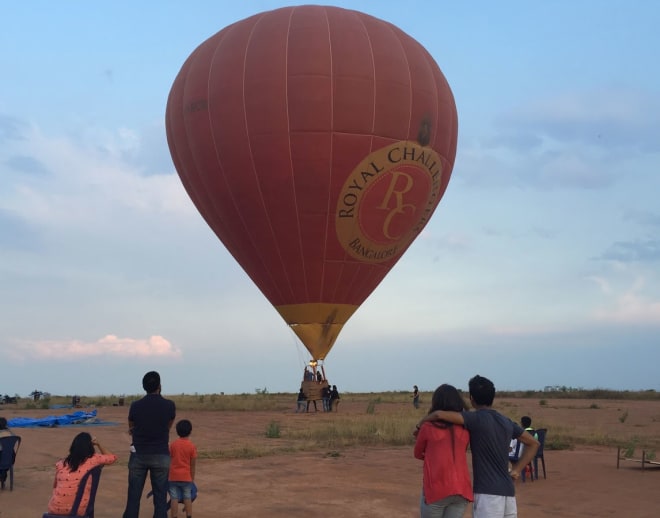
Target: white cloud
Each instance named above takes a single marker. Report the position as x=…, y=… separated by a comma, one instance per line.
x=602, y=283
x=631, y=307
x=603, y=117
x=86, y=184
x=522, y=330
x=109, y=345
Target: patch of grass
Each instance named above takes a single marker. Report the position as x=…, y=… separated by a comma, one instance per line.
x=629, y=449
x=563, y=392
x=558, y=444
x=99, y=401
x=623, y=417
x=357, y=431
x=261, y=401
x=273, y=430
x=243, y=452
x=371, y=407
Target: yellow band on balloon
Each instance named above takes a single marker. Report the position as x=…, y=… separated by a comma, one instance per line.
x=317, y=324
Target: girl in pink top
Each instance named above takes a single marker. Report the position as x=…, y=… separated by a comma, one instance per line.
x=68, y=472
x=447, y=489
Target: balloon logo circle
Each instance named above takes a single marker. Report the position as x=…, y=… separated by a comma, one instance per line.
x=387, y=200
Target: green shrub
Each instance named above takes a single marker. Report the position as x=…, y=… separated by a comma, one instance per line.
x=273, y=430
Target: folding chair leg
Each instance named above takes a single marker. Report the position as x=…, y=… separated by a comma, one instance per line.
x=527, y=470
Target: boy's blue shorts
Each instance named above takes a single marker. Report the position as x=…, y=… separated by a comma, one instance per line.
x=181, y=490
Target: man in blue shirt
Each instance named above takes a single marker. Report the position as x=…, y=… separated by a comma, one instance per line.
x=149, y=423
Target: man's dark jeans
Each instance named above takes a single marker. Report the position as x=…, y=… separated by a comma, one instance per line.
x=158, y=466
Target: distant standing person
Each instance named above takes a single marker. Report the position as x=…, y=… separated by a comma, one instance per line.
x=182, y=469
x=415, y=396
x=300, y=407
x=490, y=435
x=326, y=392
x=68, y=472
x=149, y=423
x=334, y=397
x=447, y=489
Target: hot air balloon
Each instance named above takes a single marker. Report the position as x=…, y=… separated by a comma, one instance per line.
x=316, y=142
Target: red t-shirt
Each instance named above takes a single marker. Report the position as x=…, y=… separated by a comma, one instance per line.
x=182, y=452
x=446, y=470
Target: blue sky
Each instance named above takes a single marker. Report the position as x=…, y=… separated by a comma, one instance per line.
x=540, y=267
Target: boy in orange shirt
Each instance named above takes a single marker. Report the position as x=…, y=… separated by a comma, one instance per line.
x=182, y=469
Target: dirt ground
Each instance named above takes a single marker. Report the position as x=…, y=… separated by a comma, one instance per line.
x=382, y=482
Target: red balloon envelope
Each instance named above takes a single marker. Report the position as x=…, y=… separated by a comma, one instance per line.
x=316, y=142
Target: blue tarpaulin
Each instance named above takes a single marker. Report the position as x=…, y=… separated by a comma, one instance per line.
x=76, y=418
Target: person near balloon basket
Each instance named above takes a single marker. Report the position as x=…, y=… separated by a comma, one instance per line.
x=334, y=398
x=301, y=401
x=326, y=394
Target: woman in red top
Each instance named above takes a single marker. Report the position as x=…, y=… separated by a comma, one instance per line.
x=68, y=472
x=447, y=489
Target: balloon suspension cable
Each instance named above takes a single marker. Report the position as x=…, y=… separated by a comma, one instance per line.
x=302, y=354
